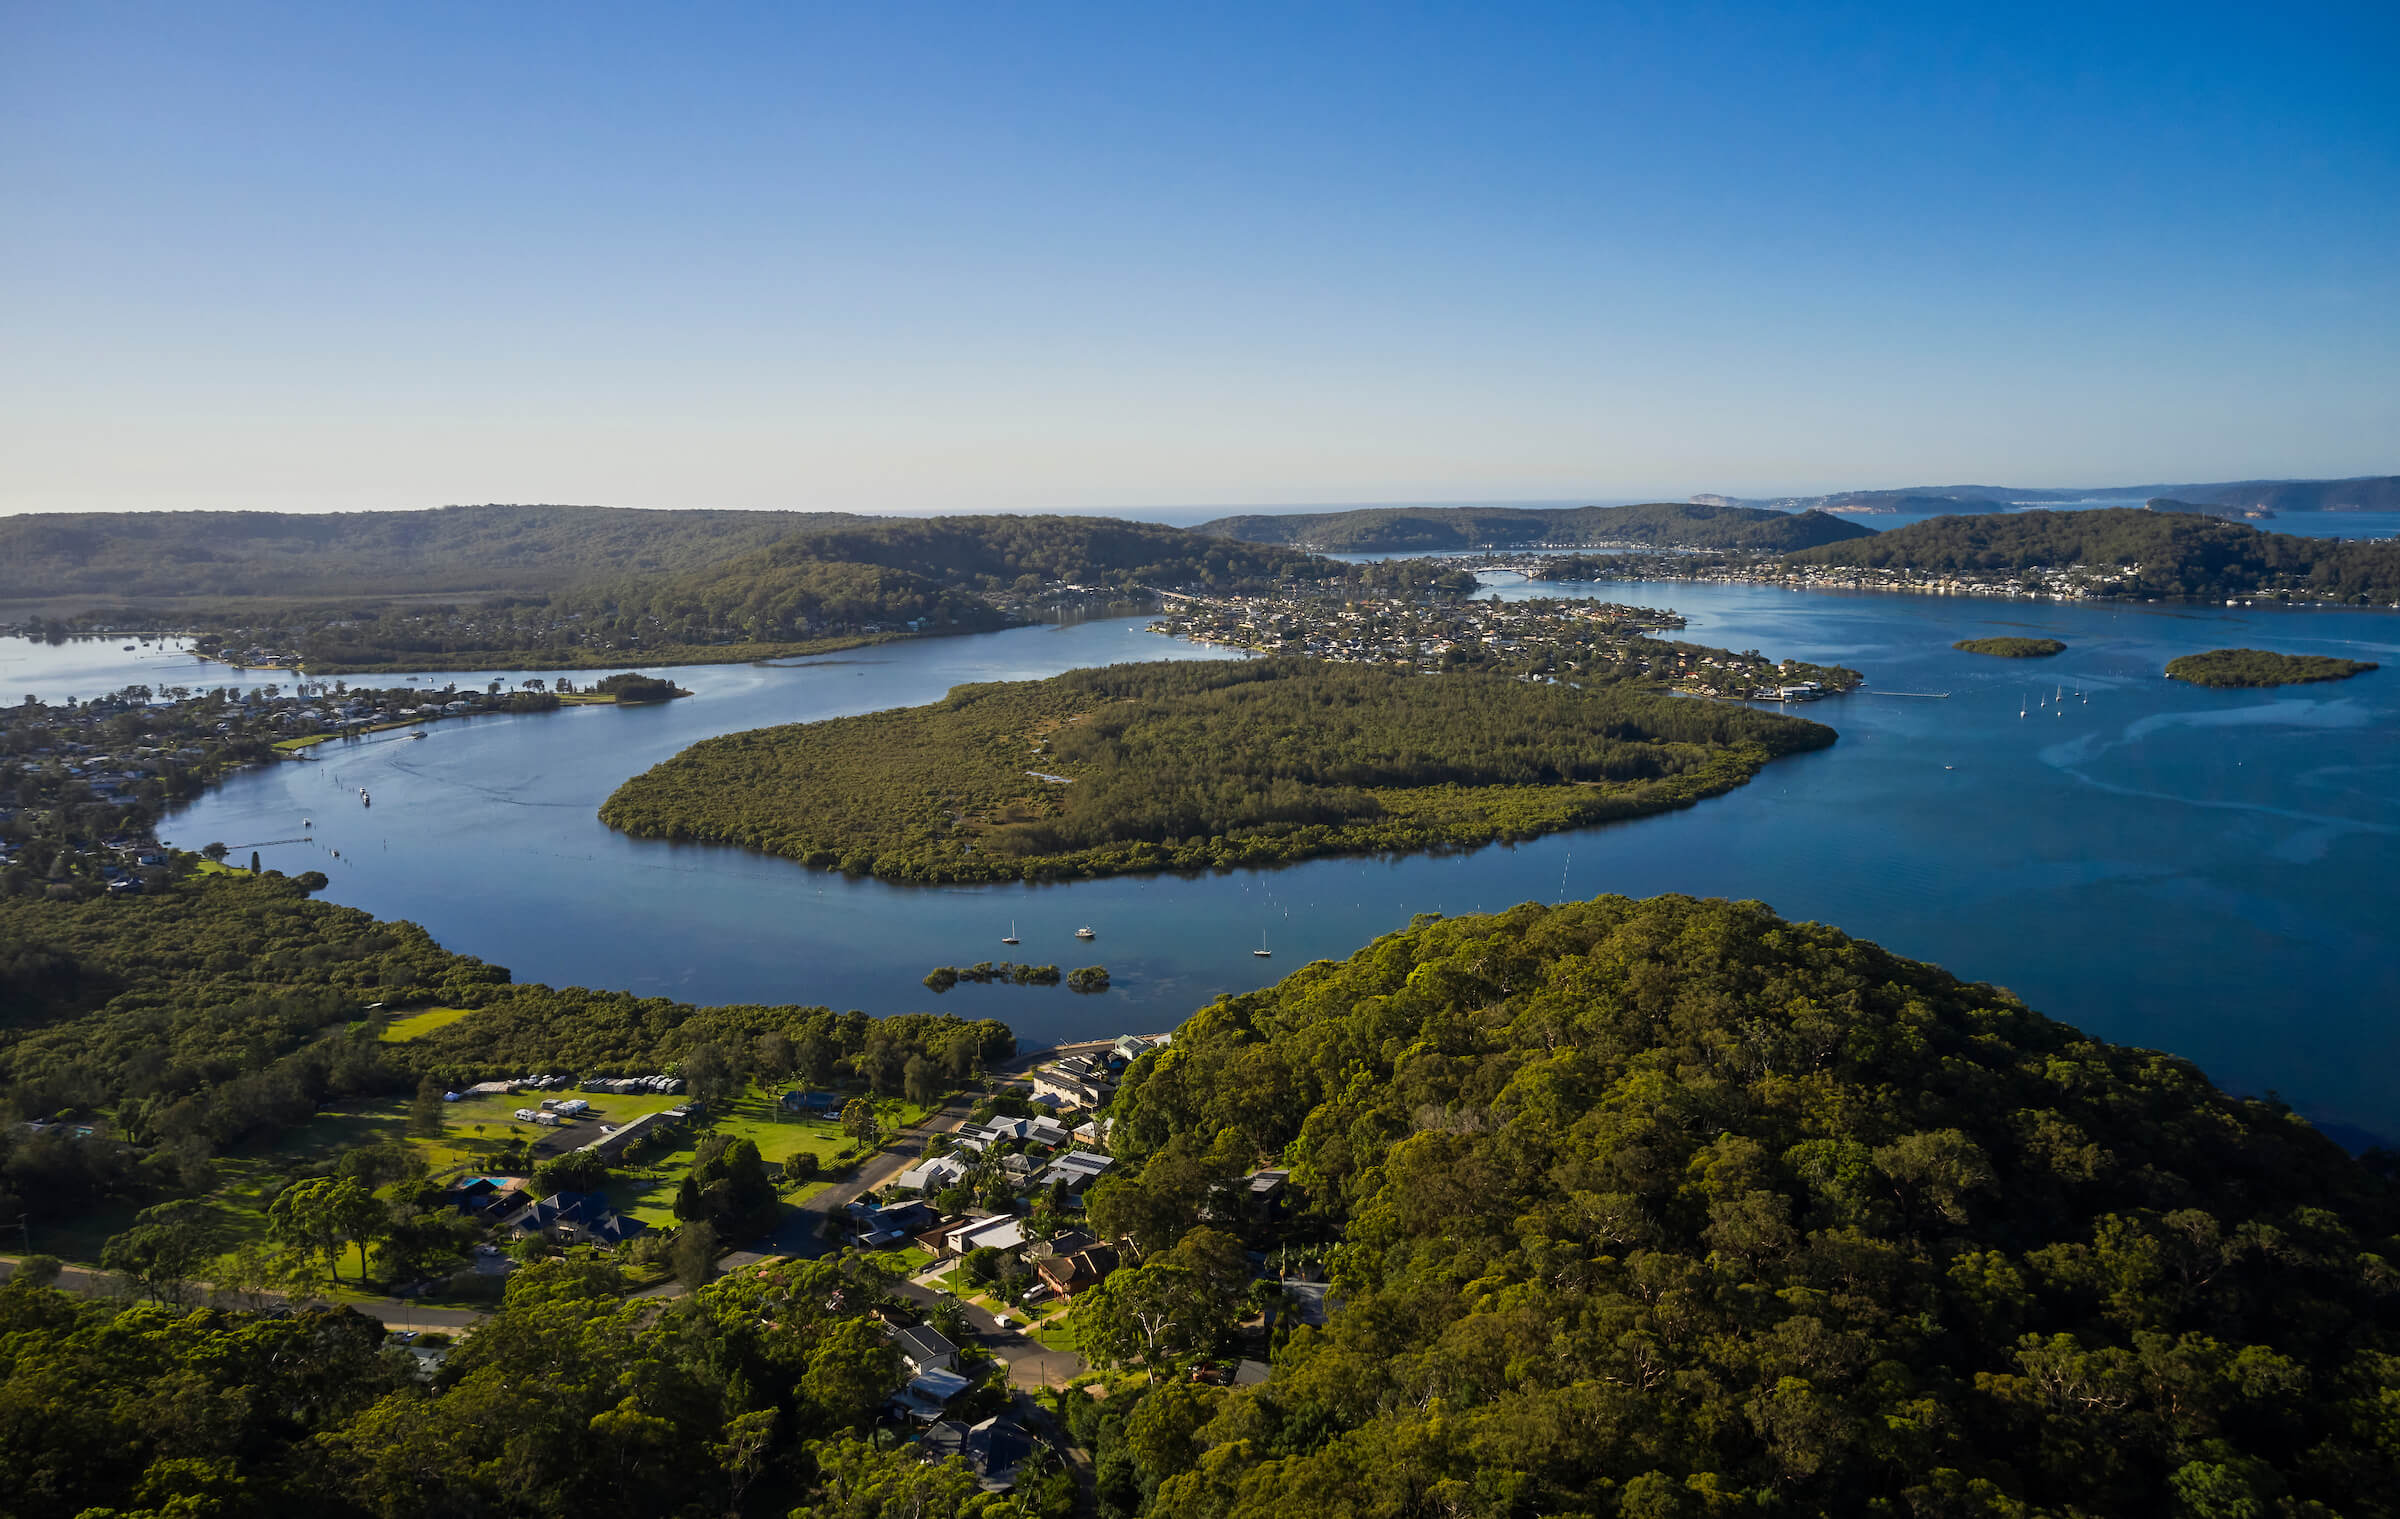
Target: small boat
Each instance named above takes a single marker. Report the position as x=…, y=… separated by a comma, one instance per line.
x=1085, y=933
x=1012, y=932
x=420, y=733
x=1262, y=951
x=129, y=648
x=308, y=822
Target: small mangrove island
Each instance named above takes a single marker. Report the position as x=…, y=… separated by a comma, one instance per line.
x=984, y=973
x=2262, y=667
x=1183, y=766
x=2012, y=648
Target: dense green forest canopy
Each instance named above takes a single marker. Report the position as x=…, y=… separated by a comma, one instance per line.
x=2171, y=554
x=1668, y=524
x=2262, y=667
x=1675, y=1208
x=1184, y=765
x=224, y=1008
x=2012, y=648
x=750, y=1397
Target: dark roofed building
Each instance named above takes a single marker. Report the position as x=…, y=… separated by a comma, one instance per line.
x=992, y=1450
x=924, y=1349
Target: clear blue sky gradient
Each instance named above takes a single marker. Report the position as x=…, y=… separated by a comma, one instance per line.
x=1025, y=256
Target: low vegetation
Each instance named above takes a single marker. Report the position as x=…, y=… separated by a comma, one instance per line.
x=1183, y=766
x=2261, y=667
x=2012, y=648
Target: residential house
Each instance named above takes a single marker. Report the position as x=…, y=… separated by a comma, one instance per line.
x=1072, y=1090
x=1077, y=1168
x=1002, y=1232
x=891, y=1224
x=922, y=1348
x=992, y=1450
x=1067, y=1275
x=935, y=1175
x=577, y=1218
x=925, y=1397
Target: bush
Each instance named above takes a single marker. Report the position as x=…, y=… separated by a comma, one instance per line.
x=801, y=1166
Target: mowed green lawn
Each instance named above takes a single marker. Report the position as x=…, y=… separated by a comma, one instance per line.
x=647, y=1191
x=418, y=1024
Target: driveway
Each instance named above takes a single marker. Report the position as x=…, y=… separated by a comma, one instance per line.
x=1029, y=1363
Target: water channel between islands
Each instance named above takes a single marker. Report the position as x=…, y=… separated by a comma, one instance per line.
x=2213, y=873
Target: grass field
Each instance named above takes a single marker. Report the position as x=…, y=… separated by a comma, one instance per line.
x=648, y=1192
x=418, y=1024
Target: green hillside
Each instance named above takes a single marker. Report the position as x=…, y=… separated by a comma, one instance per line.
x=454, y=548
x=1429, y=529
x=2168, y=554
x=1675, y=1208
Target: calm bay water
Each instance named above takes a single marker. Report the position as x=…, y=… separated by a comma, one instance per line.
x=2210, y=873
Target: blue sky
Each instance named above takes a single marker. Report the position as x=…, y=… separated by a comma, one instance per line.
x=1019, y=257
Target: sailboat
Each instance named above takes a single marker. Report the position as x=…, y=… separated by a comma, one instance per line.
x=1262, y=951
x=1012, y=932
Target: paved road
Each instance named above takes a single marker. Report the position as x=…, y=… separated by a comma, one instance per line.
x=1029, y=1364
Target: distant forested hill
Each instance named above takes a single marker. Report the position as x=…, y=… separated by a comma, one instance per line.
x=2176, y=554
x=1176, y=766
x=1667, y=524
x=1001, y=553
x=454, y=548
x=587, y=587
x=1674, y=1208
x=2365, y=493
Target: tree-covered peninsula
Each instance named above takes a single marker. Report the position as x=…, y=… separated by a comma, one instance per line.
x=1177, y=766
x=2012, y=648
x=1675, y=1208
x=2262, y=667
x=2124, y=551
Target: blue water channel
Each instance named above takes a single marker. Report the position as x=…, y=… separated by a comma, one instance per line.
x=2211, y=873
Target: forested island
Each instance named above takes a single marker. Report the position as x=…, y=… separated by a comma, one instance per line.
x=2262, y=667
x=1435, y=529
x=1673, y=1207
x=1181, y=766
x=2012, y=648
